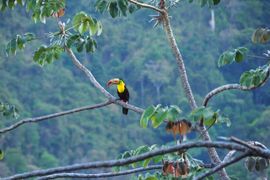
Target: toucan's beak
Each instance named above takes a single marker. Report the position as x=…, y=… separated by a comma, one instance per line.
x=113, y=81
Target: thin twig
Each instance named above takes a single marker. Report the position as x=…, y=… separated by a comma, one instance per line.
x=230, y=87
x=54, y=115
x=259, y=57
x=100, y=175
x=144, y=5
x=229, y=155
x=94, y=82
x=122, y=162
x=222, y=165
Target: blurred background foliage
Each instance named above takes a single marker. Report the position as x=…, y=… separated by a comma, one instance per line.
x=132, y=49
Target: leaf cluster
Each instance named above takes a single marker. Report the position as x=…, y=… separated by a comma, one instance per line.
x=256, y=164
x=228, y=57
x=8, y=110
x=116, y=7
x=157, y=114
x=254, y=77
x=261, y=35
x=41, y=9
x=138, y=151
x=208, y=116
x=47, y=55
x=19, y=42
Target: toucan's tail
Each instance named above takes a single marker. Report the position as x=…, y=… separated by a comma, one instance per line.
x=125, y=110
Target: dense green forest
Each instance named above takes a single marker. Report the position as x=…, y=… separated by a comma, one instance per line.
x=132, y=49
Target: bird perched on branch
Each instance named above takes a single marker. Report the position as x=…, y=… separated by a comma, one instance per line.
x=122, y=91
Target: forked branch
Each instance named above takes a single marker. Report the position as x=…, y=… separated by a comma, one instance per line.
x=96, y=84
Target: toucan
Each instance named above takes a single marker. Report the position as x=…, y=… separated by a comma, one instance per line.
x=122, y=91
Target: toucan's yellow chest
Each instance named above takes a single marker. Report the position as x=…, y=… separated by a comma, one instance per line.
x=121, y=87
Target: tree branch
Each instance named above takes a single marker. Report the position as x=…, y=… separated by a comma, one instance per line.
x=122, y=162
x=101, y=175
x=179, y=60
x=144, y=5
x=188, y=91
x=230, y=87
x=222, y=165
x=54, y=115
x=93, y=80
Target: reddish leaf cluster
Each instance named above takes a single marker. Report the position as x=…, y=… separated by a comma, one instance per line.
x=181, y=127
x=59, y=13
x=176, y=169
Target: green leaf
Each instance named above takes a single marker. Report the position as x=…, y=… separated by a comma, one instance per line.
x=141, y=150
x=113, y=9
x=147, y=114
x=123, y=6
x=159, y=118
x=226, y=58
x=173, y=112
x=93, y=27
x=73, y=39
x=80, y=22
x=157, y=159
x=240, y=54
x=146, y=162
x=83, y=23
x=46, y=55
x=261, y=35
x=80, y=46
x=101, y=5
x=11, y=47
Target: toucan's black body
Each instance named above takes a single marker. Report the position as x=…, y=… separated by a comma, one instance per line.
x=122, y=91
x=124, y=96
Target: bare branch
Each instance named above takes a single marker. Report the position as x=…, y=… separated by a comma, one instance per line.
x=122, y=162
x=101, y=175
x=98, y=86
x=144, y=5
x=222, y=165
x=230, y=87
x=54, y=115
